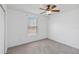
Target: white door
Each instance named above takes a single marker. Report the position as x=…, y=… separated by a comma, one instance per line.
x=1, y=31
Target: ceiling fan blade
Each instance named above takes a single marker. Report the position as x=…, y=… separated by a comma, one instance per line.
x=42, y=9
x=55, y=10
x=42, y=12
x=48, y=6
x=53, y=6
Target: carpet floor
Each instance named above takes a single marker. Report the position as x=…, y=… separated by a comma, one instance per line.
x=45, y=46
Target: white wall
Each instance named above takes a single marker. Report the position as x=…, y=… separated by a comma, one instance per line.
x=17, y=28
x=64, y=27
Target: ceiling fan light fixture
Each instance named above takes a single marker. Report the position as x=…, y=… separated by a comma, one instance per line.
x=49, y=9
x=48, y=12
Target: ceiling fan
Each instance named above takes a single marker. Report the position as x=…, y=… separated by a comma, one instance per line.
x=50, y=9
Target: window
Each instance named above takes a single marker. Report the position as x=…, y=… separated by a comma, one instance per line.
x=32, y=25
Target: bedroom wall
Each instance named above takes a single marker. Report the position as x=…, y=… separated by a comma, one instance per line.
x=64, y=27
x=17, y=28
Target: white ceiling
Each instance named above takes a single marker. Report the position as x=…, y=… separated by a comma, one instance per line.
x=34, y=8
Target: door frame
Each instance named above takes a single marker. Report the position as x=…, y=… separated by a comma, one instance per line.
x=4, y=27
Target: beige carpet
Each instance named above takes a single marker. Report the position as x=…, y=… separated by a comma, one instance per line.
x=45, y=46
